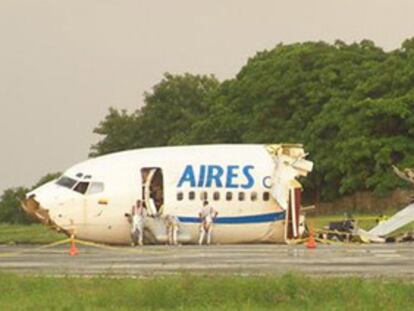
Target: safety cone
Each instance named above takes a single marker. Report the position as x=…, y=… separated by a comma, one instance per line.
x=311, y=241
x=73, y=249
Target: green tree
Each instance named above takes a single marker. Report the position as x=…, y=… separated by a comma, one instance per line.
x=119, y=130
x=174, y=104
x=10, y=202
x=350, y=105
x=170, y=109
x=10, y=206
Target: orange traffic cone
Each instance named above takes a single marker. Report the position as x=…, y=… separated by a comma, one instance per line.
x=73, y=249
x=311, y=241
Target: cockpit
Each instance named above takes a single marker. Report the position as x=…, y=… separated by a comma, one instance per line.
x=82, y=184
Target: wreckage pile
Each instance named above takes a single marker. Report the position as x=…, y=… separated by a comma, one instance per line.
x=348, y=230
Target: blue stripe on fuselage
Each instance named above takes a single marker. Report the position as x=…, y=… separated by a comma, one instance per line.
x=252, y=219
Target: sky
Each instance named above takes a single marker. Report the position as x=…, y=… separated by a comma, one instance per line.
x=64, y=63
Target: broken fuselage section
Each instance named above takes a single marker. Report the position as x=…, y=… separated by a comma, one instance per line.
x=254, y=188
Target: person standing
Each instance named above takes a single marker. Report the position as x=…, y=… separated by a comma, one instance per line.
x=172, y=225
x=207, y=216
x=138, y=215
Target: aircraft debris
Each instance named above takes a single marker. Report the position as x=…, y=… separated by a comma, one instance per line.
x=401, y=218
x=385, y=225
x=405, y=237
x=367, y=237
x=343, y=230
x=396, y=222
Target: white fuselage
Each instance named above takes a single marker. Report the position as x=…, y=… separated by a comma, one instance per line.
x=235, y=179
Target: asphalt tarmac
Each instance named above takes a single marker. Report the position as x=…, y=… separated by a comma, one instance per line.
x=395, y=260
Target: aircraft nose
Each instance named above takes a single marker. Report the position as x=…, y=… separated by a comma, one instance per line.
x=33, y=208
x=44, y=205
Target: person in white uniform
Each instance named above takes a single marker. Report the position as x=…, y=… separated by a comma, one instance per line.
x=207, y=216
x=172, y=225
x=138, y=215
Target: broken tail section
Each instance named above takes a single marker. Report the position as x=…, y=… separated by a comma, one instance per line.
x=290, y=164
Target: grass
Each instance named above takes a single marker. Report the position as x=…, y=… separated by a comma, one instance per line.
x=189, y=292
x=30, y=234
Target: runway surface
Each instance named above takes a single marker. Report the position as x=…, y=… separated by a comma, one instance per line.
x=395, y=260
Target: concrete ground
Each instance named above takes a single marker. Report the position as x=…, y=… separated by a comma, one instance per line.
x=370, y=260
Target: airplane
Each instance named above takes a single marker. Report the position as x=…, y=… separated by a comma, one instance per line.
x=252, y=187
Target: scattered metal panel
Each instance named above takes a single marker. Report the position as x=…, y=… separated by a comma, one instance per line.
x=396, y=222
x=368, y=237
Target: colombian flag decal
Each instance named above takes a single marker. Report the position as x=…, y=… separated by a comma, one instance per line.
x=103, y=201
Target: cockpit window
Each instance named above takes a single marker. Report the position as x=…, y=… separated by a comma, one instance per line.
x=81, y=187
x=66, y=182
x=96, y=187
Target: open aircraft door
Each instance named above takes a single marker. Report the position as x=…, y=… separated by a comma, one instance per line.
x=152, y=189
x=293, y=212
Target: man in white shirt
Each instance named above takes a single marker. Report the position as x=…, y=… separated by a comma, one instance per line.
x=207, y=215
x=172, y=225
x=138, y=214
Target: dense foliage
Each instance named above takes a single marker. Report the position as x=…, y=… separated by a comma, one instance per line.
x=352, y=106
x=173, y=106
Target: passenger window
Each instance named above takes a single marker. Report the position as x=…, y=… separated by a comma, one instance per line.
x=242, y=196
x=180, y=196
x=81, y=187
x=229, y=196
x=266, y=196
x=253, y=196
x=216, y=196
x=191, y=195
x=203, y=196
x=96, y=187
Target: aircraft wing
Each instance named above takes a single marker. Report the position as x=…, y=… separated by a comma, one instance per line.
x=397, y=221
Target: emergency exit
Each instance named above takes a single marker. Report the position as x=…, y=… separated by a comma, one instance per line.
x=153, y=189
